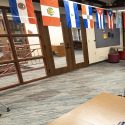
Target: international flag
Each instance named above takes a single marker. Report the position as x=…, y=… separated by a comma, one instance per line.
x=50, y=12
x=100, y=19
x=110, y=19
x=22, y=11
x=87, y=16
x=72, y=14
x=118, y=20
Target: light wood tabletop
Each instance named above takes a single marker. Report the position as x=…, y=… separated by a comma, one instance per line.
x=104, y=109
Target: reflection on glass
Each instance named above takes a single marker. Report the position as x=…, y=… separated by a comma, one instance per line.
x=21, y=28
x=5, y=50
x=2, y=24
x=27, y=47
x=77, y=42
x=8, y=75
x=32, y=69
x=58, y=47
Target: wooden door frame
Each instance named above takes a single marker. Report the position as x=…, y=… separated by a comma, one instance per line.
x=47, y=49
x=123, y=31
x=69, y=48
x=84, y=48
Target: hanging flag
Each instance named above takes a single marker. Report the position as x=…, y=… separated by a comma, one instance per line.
x=50, y=12
x=118, y=20
x=110, y=19
x=87, y=16
x=100, y=19
x=22, y=11
x=72, y=14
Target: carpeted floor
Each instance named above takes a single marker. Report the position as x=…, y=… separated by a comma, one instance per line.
x=42, y=101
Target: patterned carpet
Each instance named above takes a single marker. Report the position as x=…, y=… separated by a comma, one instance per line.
x=41, y=102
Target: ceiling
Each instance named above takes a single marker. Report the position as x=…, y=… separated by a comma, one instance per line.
x=99, y=3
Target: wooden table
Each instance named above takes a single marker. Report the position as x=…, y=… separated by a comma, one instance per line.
x=104, y=109
x=59, y=50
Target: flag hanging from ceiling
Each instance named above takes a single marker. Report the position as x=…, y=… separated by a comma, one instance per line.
x=22, y=11
x=100, y=19
x=118, y=20
x=110, y=19
x=72, y=14
x=50, y=12
x=87, y=16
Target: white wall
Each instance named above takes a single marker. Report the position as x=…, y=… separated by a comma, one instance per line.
x=98, y=54
x=56, y=36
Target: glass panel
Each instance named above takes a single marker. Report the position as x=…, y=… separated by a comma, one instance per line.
x=5, y=50
x=32, y=69
x=77, y=42
x=2, y=24
x=27, y=47
x=21, y=28
x=8, y=75
x=58, y=46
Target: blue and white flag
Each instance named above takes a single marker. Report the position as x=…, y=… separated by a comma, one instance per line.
x=118, y=20
x=72, y=14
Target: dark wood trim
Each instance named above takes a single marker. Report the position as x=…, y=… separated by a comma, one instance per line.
x=17, y=65
x=6, y=62
x=25, y=35
x=46, y=46
x=67, y=36
x=10, y=86
x=34, y=80
x=24, y=83
x=123, y=31
x=84, y=44
x=30, y=58
x=20, y=35
x=4, y=35
x=4, y=7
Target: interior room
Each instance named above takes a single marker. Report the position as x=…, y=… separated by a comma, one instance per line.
x=62, y=62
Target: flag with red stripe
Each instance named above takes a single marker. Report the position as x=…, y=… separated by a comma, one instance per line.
x=100, y=18
x=22, y=11
x=50, y=12
x=110, y=19
x=87, y=16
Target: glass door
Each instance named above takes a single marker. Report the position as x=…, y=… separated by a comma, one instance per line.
x=79, y=46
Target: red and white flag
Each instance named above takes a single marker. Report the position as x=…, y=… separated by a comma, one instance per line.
x=110, y=19
x=50, y=12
